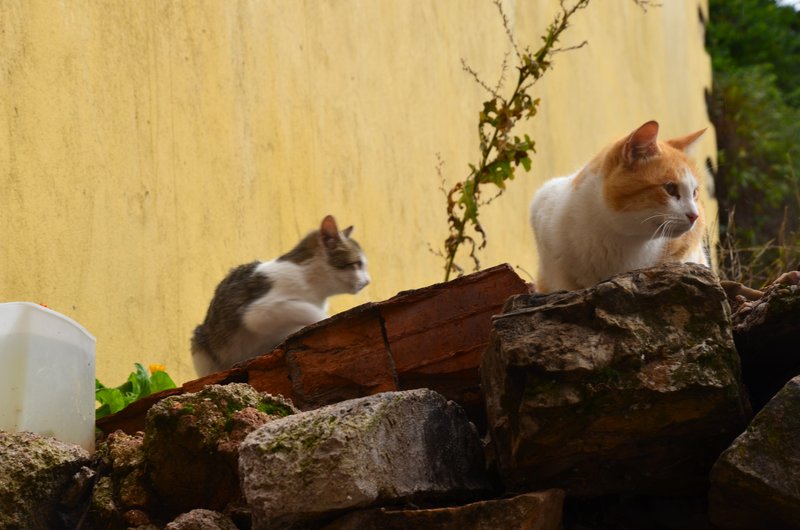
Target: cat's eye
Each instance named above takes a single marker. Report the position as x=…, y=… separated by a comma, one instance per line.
x=672, y=189
x=355, y=265
x=694, y=193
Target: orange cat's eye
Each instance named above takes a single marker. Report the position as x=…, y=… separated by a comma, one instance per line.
x=694, y=193
x=672, y=189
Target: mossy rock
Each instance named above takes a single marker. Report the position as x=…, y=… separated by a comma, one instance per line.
x=192, y=440
x=34, y=473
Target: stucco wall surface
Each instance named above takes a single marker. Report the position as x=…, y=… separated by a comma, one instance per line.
x=146, y=147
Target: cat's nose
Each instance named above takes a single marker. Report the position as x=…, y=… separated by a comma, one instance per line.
x=692, y=217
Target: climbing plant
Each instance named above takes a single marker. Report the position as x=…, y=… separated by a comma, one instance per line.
x=501, y=151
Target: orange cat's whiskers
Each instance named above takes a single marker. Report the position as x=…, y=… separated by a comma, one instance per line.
x=660, y=231
x=656, y=216
x=665, y=228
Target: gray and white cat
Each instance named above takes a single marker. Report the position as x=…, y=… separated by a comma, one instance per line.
x=259, y=304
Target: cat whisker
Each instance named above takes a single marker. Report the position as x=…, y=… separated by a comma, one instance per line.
x=664, y=229
x=656, y=216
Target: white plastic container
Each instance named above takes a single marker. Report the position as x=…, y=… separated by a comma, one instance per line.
x=47, y=373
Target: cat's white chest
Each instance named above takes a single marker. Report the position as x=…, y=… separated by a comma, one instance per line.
x=579, y=239
x=290, y=304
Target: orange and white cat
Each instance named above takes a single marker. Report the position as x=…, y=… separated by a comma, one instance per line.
x=634, y=205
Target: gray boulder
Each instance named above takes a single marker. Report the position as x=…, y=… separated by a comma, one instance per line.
x=388, y=447
x=756, y=482
x=35, y=472
x=631, y=386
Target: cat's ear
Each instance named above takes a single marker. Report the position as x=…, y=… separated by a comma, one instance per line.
x=642, y=143
x=686, y=142
x=329, y=232
x=347, y=231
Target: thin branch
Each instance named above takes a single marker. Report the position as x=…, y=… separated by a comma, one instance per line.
x=569, y=49
x=507, y=26
x=503, y=70
x=477, y=78
x=645, y=4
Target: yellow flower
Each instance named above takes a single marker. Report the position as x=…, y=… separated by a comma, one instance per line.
x=156, y=368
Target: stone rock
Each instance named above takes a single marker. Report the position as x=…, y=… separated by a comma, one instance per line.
x=122, y=495
x=34, y=474
x=390, y=447
x=103, y=509
x=530, y=511
x=767, y=336
x=632, y=385
x=191, y=442
x=79, y=489
x=126, y=460
x=201, y=520
x=756, y=482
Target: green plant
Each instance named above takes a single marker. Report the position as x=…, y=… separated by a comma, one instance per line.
x=140, y=383
x=758, y=265
x=755, y=108
x=501, y=152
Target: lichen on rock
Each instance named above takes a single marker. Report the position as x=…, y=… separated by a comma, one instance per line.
x=390, y=447
x=34, y=473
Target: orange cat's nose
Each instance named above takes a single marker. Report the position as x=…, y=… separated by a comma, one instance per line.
x=692, y=217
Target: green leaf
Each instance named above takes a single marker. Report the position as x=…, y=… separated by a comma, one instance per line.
x=467, y=200
x=138, y=385
x=111, y=400
x=161, y=381
x=140, y=382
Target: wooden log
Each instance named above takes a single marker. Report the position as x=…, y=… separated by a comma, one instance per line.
x=343, y=358
x=438, y=334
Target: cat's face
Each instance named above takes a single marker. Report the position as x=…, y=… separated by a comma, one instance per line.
x=652, y=186
x=339, y=264
x=347, y=262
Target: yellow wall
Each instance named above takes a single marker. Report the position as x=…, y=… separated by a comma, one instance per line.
x=148, y=146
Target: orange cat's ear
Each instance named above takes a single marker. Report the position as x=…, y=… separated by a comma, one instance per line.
x=642, y=143
x=685, y=142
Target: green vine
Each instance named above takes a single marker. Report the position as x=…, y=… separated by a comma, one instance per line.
x=501, y=153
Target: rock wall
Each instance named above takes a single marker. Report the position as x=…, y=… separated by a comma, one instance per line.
x=618, y=406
